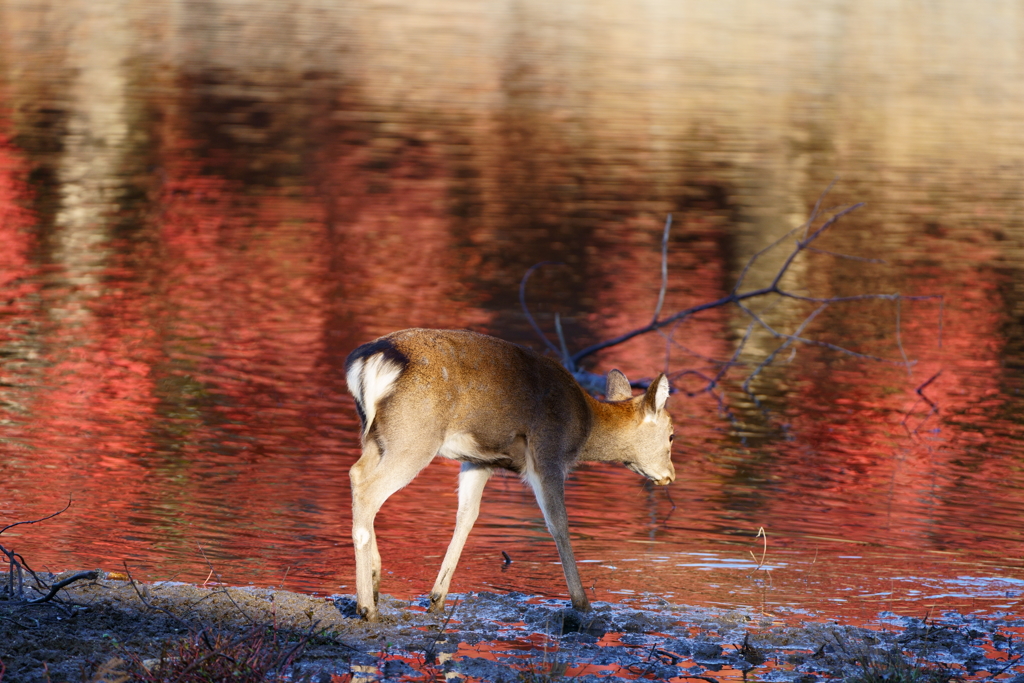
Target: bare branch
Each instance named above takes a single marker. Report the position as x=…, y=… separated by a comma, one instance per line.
x=924, y=385
x=223, y=588
x=817, y=206
x=41, y=519
x=208, y=564
x=933, y=407
x=672, y=341
x=685, y=313
x=789, y=339
x=667, y=325
x=848, y=257
x=856, y=297
x=430, y=654
x=804, y=243
x=55, y=588
x=752, y=259
x=669, y=340
x=735, y=297
x=526, y=310
x=816, y=342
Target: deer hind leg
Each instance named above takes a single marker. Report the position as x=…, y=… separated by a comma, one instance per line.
x=472, y=479
x=549, y=488
x=374, y=478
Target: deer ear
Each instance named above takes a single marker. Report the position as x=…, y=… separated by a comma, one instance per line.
x=617, y=388
x=656, y=396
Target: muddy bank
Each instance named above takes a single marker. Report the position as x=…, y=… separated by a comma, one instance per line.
x=99, y=629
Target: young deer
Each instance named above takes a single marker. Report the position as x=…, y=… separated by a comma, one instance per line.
x=488, y=404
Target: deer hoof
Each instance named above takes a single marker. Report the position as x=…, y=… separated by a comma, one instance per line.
x=581, y=605
x=436, y=603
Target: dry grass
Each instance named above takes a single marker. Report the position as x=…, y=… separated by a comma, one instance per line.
x=261, y=654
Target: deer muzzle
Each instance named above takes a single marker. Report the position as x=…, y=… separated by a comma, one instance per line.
x=668, y=477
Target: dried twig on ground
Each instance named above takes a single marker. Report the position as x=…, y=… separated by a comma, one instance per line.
x=55, y=588
x=147, y=603
x=430, y=653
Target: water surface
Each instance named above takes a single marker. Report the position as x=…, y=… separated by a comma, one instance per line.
x=205, y=207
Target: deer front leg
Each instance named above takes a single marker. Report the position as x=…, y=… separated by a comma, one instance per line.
x=549, y=488
x=472, y=479
x=375, y=567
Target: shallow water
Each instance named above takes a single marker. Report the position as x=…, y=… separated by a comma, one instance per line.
x=205, y=208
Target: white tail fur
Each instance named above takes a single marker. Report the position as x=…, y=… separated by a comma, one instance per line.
x=370, y=380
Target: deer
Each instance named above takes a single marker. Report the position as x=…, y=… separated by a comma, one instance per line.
x=488, y=404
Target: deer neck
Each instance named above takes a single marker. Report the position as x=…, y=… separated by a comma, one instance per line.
x=613, y=424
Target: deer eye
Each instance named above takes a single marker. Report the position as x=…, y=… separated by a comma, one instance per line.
x=671, y=438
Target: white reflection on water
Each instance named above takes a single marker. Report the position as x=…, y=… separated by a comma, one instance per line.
x=712, y=561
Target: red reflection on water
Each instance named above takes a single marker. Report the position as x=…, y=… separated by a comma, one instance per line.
x=82, y=387
x=890, y=462
x=15, y=223
x=396, y=261
x=186, y=387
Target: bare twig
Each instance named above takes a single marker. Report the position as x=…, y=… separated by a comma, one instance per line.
x=664, y=268
x=789, y=339
x=669, y=340
x=146, y=602
x=817, y=206
x=762, y=252
x=19, y=625
x=16, y=563
x=847, y=257
x=208, y=564
x=650, y=666
x=55, y=588
x=924, y=385
x=238, y=607
x=566, y=359
x=430, y=654
x=41, y=519
x=223, y=589
x=672, y=509
x=764, y=551
x=1010, y=661
x=15, y=577
x=933, y=407
x=526, y=310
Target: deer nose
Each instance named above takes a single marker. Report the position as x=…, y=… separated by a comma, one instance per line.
x=668, y=478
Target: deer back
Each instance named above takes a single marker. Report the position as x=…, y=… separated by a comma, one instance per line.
x=472, y=397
